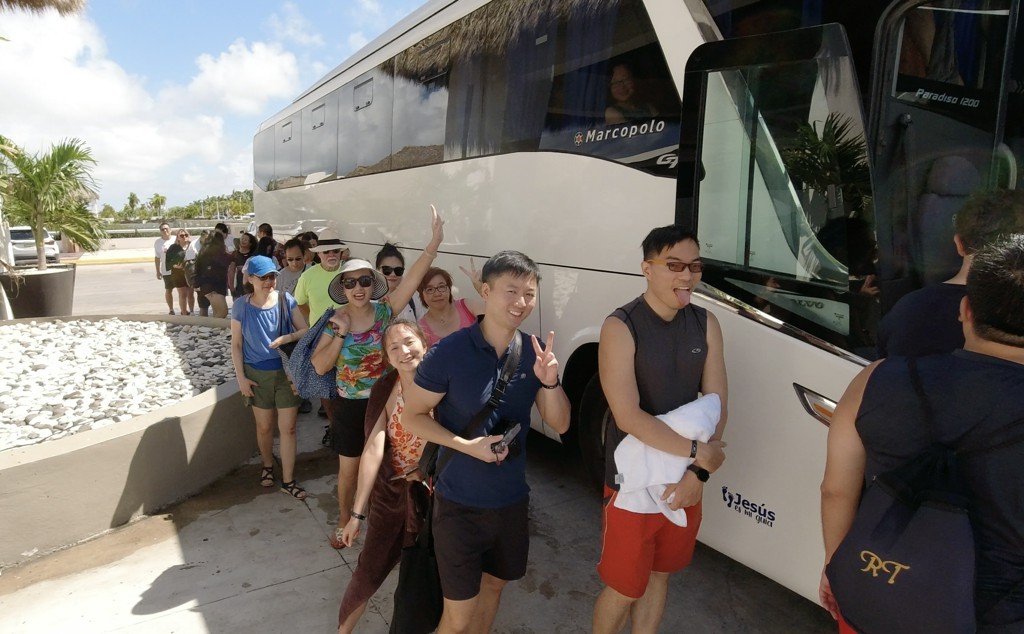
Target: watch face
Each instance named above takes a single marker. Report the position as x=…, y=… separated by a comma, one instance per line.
x=703, y=475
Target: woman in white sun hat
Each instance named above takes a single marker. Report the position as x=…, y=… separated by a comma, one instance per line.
x=351, y=344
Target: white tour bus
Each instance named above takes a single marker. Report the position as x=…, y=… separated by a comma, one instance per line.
x=568, y=129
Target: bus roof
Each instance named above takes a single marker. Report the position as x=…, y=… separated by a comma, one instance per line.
x=406, y=24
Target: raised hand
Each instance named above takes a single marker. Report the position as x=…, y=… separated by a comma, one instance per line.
x=546, y=365
x=436, y=231
x=474, y=275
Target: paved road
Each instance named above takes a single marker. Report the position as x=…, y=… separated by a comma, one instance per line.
x=714, y=595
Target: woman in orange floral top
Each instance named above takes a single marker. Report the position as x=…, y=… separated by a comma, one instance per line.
x=351, y=343
x=390, y=491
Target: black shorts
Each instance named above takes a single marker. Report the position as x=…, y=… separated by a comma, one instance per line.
x=168, y=282
x=470, y=541
x=347, y=432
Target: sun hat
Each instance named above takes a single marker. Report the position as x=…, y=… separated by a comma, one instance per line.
x=260, y=265
x=327, y=240
x=337, y=292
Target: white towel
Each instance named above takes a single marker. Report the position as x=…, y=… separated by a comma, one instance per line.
x=645, y=472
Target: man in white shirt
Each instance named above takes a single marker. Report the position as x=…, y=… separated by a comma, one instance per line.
x=160, y=262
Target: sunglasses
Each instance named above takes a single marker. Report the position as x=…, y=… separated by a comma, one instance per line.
x=677, y=267
x=332, y=252
x=182, y=235
x=399, y=271
x=268, y=276
x=365, y=281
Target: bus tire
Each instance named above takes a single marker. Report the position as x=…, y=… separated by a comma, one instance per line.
x=594, y=419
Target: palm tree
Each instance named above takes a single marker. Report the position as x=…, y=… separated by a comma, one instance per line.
x=133, y=202
x=156, y=203
x=51, y=190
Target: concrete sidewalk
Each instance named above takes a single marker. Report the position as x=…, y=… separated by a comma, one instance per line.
x=235, y=557
x=238, y=557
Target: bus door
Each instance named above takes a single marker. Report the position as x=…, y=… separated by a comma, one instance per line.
x=774, y=176
x=945, y=122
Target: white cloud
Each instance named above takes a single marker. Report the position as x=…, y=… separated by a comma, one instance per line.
x=371, y=8
x=244, y=78
x=59, y=82
x=294, y=27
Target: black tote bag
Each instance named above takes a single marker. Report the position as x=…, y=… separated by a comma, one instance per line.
x=418, y=597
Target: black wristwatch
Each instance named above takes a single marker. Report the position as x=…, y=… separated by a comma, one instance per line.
x=702, y=474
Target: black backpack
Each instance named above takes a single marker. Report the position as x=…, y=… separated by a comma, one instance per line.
x=907, y=563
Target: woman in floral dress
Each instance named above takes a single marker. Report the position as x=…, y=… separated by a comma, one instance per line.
x=391, y=491
x=351, y=344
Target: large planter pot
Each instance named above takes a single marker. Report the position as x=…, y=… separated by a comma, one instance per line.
x=34, y=293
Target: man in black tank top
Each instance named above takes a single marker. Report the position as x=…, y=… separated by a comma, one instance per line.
x=975, y=393
x=656, y=353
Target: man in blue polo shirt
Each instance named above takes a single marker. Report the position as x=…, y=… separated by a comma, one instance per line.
x=482, y=499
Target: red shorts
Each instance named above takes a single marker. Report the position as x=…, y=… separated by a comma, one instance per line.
x=636, y=544
x=844, y=627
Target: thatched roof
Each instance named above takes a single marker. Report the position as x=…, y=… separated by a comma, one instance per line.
x=63, y=7
x=487, y=30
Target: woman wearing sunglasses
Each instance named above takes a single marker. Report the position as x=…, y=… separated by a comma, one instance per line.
x=260, y=322
x=351, y=344
x=391, y=263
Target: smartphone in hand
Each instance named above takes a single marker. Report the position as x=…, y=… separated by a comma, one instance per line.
x=506, y=439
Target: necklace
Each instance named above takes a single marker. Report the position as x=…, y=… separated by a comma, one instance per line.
x=442, y=320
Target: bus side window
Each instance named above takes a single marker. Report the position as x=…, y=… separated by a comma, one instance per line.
x=421, y=102
x=320, y=140
x=263, y=159
x=612, y=95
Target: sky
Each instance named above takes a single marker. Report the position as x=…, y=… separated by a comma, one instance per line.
x=168, y=94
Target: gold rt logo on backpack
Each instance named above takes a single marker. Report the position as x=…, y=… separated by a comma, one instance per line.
x=876, y=564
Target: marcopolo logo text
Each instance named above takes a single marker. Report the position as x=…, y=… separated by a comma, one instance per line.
x=624, y=131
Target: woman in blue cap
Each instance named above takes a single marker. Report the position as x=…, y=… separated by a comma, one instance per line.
x=260, y=322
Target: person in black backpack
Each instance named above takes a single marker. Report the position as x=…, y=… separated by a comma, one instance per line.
x=975, y=393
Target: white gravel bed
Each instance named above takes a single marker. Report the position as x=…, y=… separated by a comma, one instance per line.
x=62, y=377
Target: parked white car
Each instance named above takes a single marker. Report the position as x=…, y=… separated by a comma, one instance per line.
x=24, y=245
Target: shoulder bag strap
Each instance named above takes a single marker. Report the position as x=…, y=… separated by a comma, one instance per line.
x=497, y=394
x=922, y=397
x=281, y=313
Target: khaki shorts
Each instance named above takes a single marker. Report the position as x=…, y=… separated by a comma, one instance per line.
x=273, y=389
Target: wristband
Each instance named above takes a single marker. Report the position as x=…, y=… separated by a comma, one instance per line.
x=558, y=382
x=358, y=516
x=693, y=449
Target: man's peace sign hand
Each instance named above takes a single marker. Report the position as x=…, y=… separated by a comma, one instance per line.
x=546, y=365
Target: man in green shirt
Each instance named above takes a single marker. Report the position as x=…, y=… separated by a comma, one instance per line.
x=311, y=289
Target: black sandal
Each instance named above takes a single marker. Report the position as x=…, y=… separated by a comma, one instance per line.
x=326, y=440
x=294, y=490
x=267, y=477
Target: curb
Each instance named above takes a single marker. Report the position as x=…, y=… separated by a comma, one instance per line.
x=83, y=262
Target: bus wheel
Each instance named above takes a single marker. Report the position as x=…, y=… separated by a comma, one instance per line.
x=594, y=419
